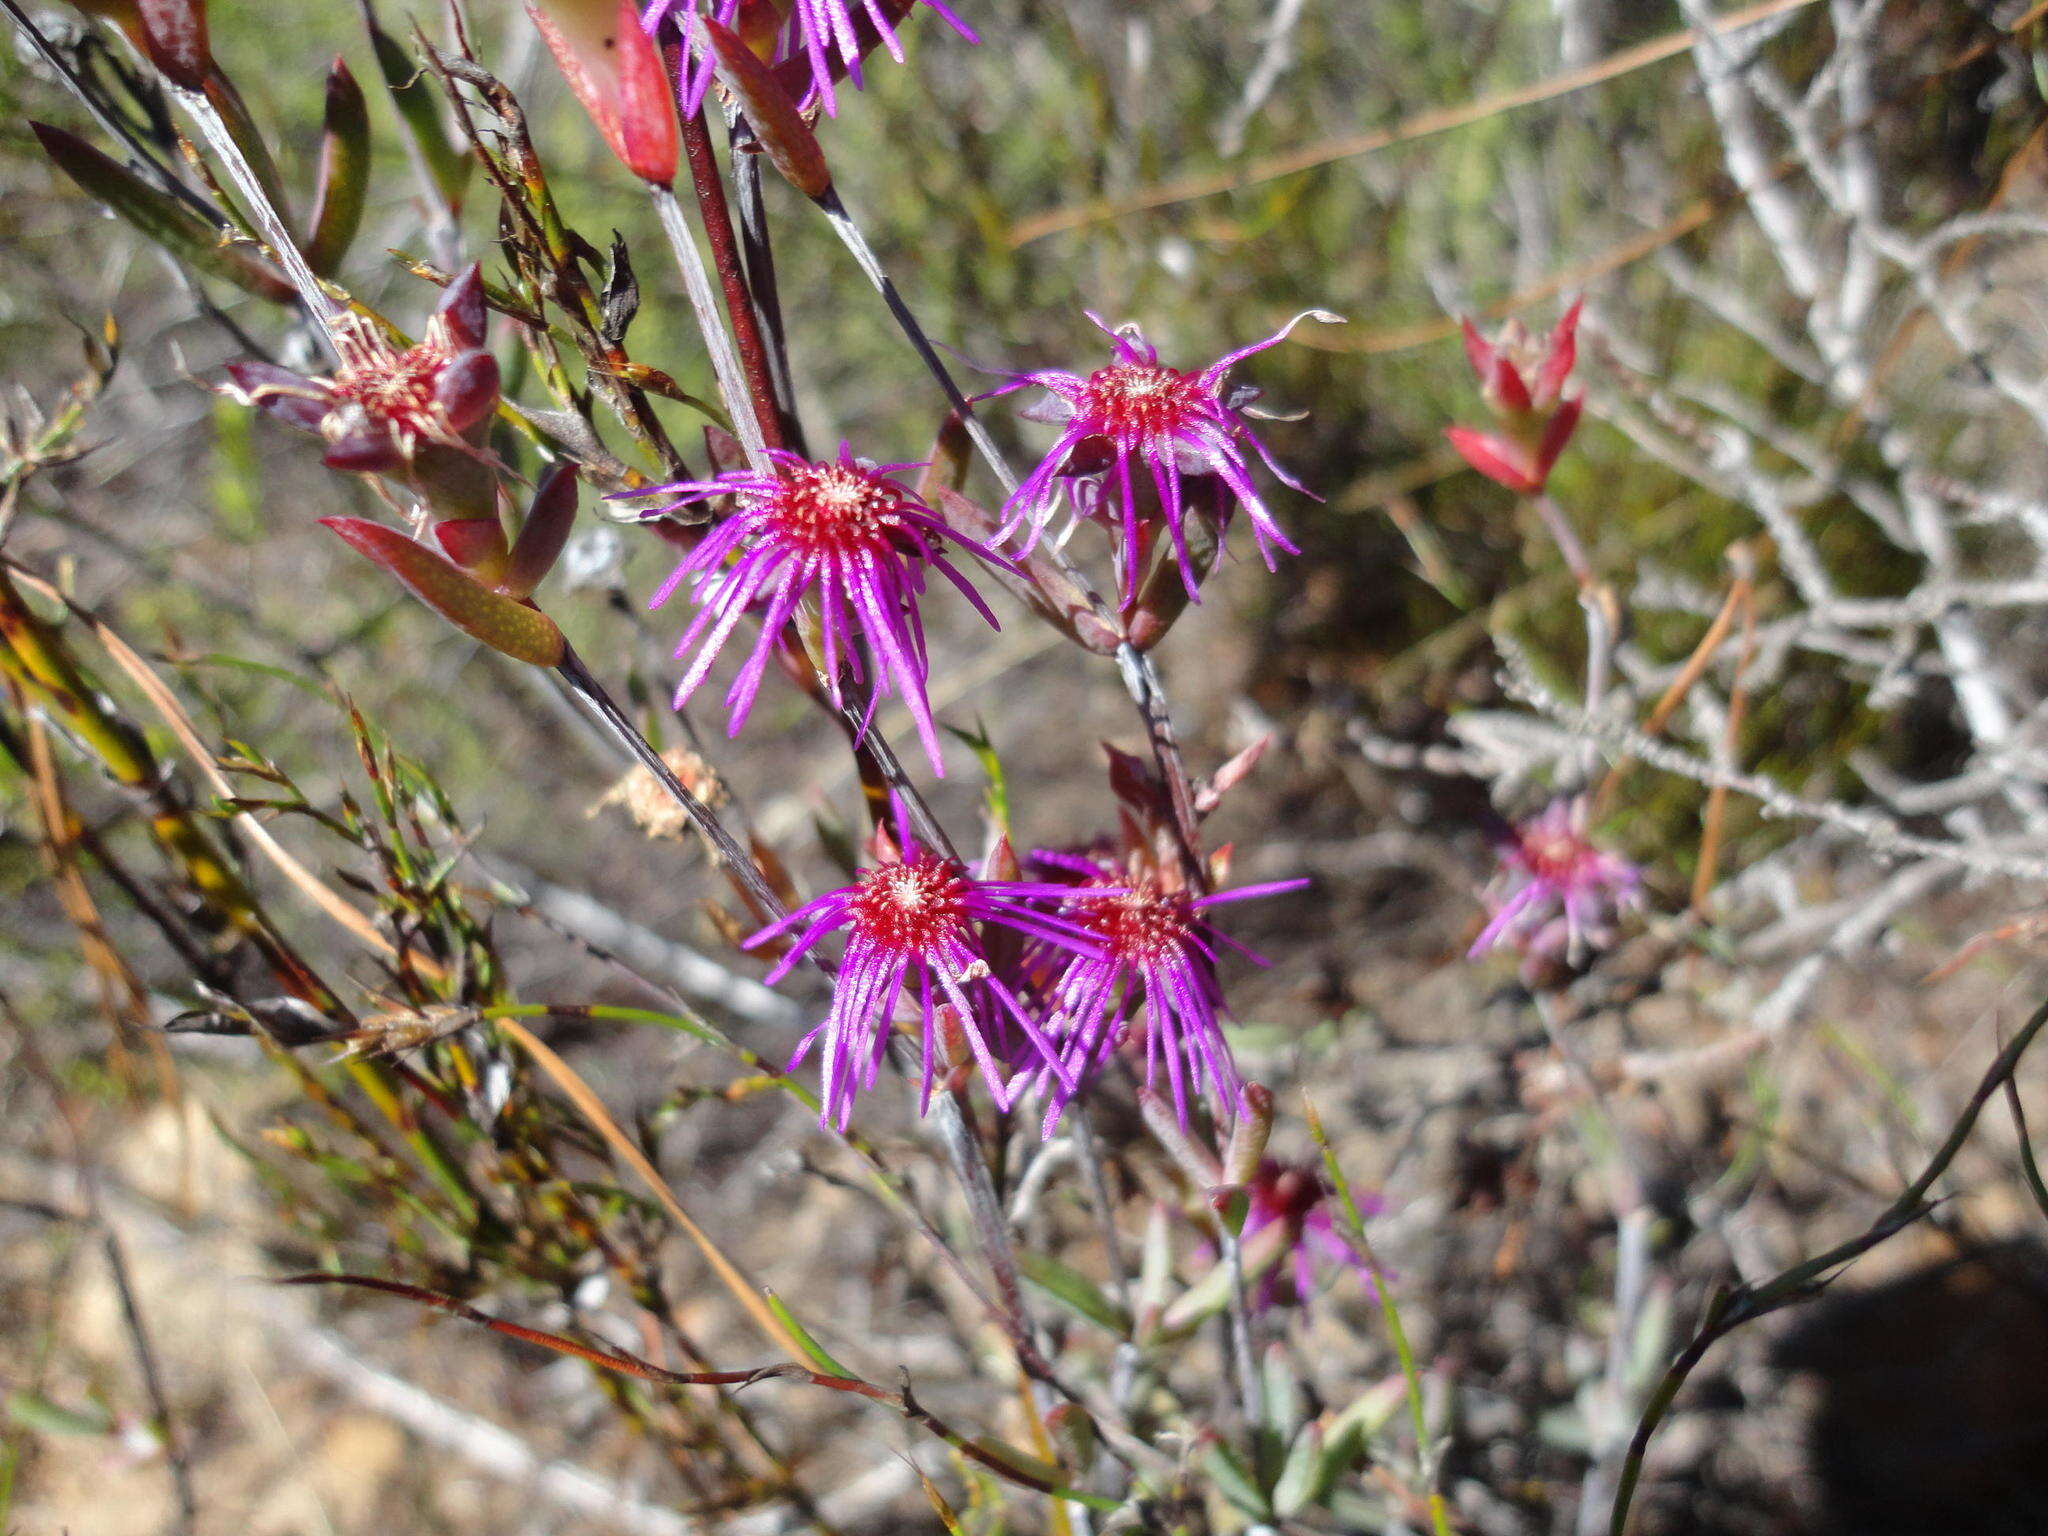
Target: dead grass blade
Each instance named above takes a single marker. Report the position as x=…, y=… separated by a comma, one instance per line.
x=591, y=1107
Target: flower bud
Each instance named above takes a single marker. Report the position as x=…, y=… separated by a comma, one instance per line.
x=1248, y=1137
x=1535, y=422
x=616, y=71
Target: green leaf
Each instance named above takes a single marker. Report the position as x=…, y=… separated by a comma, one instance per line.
x=446, y=166
x=160, y=216
x=344, y=172
x=1074, y=1291
x=819, y=1355
x=34, y=1412
x=1314, y=1463
x=996, y=797
x=523, y=633
x=1233, y=1479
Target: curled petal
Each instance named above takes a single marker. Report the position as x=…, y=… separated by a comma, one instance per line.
x=461, y=313
x=289, y=397
x=467, y=389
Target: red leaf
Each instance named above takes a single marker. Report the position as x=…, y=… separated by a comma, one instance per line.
x=1494, y=457
x=616, y=72
x=771, y=112
x=523, y=633
x=545, y=531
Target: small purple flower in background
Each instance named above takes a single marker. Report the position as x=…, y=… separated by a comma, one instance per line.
x=1151, y=943
x=912, y=920
x=1172, y=422
x=1557, y=895
x=840, y=532
x=814, y=30
x=382, y=406
x=1292, y=1202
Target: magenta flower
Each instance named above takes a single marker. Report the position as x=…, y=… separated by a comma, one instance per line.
x=913, y=921
x=1523, y=386
x=1173, y=423
x=1292, y=1203
x=1557, y=894
x=383, y=407
x=841, y=533
x=1150, y=944
x=814, y=30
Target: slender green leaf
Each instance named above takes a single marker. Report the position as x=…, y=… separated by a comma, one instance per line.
x=344, y=172
x=160, y=216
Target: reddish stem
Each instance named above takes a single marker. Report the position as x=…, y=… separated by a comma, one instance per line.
x=725, y=257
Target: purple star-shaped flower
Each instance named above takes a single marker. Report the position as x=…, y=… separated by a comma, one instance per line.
x=841, y=533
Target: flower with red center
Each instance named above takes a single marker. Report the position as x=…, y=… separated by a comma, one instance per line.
x=841, y=533
x=1152, y=945
x=1173, y=423
x=1557, y=894
x=913, y=921
x=1290, y=1205
x=825, y=34
x=1536, y=420
x=385, y=408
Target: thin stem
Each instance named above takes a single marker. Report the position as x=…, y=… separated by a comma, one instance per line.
x=1730, y=1309
x=725, y=256
x=601, y=704
x=759, y=254
x=1390, y=1313
x=725, y=363
x=855, y=242
x=320, y=309
x=1251, y=1391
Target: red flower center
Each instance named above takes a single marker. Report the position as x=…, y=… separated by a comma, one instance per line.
x=393, y=387
x=1133, y=402
x=834, y=509
x=1558, y=858
x=1143, y=924
x=910, y=908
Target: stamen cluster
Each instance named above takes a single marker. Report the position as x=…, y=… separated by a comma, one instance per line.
x=918, y=922
x=384, y=406
x=1154, y=959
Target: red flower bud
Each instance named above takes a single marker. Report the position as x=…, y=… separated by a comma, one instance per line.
x=617, y=73
x=1535, y=423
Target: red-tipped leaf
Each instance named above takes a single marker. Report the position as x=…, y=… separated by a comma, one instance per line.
x=545, y=532
x=771, y=111
x=523, y=633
